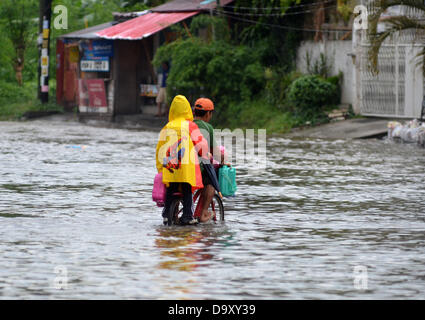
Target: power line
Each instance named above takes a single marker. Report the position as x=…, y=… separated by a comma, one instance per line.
x=279, y=26
x=280, y=8
x=277, y=14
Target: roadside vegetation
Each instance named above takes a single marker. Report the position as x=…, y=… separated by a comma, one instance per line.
x=246, y=67
x=249, y=71
x=17, y=101
x=19, y=54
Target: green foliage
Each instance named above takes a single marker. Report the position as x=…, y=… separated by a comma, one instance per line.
x=93, y=12
x=250, y=81
x=393, y=26
x=6, y=66
x=257, y=113
x=16, y=100
x=216, y=69
x=18, y=27
x=345, y=9
x=17, y=19
x=321, y=66
x=246, y=70
x=216, y=27
x=277, y=85
x=308, y=95
x=11, y=92
x=336, y=80
x=276, y=45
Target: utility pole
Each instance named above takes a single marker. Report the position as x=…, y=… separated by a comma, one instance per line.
x=218, y=12
x=44, y=49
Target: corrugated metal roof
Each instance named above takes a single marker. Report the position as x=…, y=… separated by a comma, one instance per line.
x=189, y=5
x=88, y=33
x=143, y=26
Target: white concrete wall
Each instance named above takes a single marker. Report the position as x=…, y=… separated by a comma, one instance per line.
x=337, y=53
x=413, y=82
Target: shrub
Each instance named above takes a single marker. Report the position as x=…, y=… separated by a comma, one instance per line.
x=321, y=66
x=277, y=85
x=221, y=71
x=336, y=80
x=11, y=92
x=308, y=95
x=257, y=114
x=215, y=27
x=15, y=100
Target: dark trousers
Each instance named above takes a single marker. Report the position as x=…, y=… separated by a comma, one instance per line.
x=186, y=189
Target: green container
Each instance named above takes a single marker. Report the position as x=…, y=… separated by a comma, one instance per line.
x=227, y=181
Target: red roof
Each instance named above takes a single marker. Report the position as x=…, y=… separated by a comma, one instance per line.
x=144, y=26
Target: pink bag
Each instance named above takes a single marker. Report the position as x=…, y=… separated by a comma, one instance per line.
x=159, y=190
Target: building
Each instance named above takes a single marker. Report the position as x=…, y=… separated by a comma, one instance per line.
x=106, y=70
x=397, y=91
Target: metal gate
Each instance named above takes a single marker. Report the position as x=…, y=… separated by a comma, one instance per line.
x=398, y=88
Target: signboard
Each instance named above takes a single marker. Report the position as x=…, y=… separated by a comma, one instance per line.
x=74, y=54
x=44, y=58
x=97, y=96
x=46, y=33
x=97, y=49
x=149, y=90
x=95, y=65
x=92, y=96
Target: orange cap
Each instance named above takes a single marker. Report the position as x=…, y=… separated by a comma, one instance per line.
x=204, y=104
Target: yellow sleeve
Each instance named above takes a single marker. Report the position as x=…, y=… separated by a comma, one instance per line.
x=158, y=156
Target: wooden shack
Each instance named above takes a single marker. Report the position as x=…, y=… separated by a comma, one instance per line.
x=106, y=70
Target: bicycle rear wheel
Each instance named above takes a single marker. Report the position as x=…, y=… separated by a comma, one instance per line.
x=176, y=211
x=218, y=208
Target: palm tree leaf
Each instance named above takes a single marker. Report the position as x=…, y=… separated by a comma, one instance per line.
x=396, y=24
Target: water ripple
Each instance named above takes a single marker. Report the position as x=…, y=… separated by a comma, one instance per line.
x=75, y=202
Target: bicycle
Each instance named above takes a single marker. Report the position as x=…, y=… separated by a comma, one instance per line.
x=176, y=208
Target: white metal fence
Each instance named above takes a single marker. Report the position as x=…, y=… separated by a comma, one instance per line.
x=398, y=88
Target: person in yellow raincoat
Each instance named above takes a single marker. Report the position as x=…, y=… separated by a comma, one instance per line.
x=180, y=143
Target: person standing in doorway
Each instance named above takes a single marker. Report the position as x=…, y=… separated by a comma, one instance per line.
x=162, y=92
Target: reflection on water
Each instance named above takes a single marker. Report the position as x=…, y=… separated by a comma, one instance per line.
x=184, y=248
x=299, y=229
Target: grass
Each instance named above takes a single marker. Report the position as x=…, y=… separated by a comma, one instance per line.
x=258, y=114
x=15, y=101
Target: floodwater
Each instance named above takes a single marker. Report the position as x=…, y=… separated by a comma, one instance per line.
x=325, y=220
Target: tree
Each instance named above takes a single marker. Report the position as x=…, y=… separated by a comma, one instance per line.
x=396, y=24
x=19, y=21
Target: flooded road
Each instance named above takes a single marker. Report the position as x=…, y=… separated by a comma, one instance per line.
x=325, y=220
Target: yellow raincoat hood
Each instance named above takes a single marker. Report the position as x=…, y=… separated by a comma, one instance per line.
x=176, y=157
x=180, y=109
